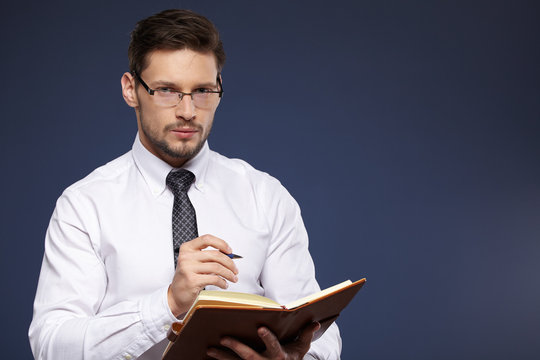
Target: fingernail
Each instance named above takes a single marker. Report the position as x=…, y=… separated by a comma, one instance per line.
x=235, y=278
x=211, y=353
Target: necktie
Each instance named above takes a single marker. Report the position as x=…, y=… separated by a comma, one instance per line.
x=184, y=220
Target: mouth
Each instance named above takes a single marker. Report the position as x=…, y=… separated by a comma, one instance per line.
x=184, y=133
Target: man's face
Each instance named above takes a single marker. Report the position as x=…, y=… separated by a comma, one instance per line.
x=176, y=134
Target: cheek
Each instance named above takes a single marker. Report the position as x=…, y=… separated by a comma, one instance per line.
x=208, y=124
x=153, y=118
x=209, y=119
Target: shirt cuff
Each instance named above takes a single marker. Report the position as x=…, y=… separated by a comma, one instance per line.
x=156, y=315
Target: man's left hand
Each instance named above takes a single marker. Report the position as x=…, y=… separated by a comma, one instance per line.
x=274, y=350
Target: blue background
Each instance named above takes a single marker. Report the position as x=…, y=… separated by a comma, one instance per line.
x=407, y=131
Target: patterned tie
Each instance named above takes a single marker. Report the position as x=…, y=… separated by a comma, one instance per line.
x=184, y=220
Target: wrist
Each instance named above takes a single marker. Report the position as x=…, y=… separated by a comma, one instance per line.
x=175, y=309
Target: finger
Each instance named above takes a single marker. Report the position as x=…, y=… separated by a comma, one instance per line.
x=221, y=354
x=195, y=263
x=195, y=277
x=307, y=334
x=205, y=241
x=242, y=350
x=206, y=280
x=199, y=282
x=273, y=347
x=303, y=342
x=211, y=256
x=214, y=269
x=191, y=250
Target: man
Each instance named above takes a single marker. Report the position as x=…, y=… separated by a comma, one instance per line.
x=114, y=275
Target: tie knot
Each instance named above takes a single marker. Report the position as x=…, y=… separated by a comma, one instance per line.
x=180, y=181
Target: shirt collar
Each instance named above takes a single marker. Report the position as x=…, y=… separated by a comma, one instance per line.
x=155, y=171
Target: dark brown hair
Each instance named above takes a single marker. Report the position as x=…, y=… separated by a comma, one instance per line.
x=173, y=30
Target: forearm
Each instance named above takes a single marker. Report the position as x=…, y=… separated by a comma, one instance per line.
x=130, y=327
x=289, y=250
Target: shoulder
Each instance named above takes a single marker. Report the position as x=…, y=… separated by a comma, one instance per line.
x=112, y=174
x=241, y=170
x=244, y=178
x=79, y=203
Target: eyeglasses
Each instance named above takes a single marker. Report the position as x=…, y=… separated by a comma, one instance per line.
x=202, y=98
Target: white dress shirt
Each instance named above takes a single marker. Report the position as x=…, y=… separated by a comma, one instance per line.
x=108, y=261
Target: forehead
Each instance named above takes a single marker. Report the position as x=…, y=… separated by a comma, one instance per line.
x=181, y=66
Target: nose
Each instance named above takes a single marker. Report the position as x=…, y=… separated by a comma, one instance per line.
x=185, y=108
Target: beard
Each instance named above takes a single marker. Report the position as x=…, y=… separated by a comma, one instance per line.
x=182, y=150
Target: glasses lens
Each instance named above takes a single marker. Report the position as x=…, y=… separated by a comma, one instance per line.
x=166, y=98
x=204, y=100
x=200, y=99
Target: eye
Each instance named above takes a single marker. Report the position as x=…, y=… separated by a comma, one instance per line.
x=165, y=90
x=202, y=91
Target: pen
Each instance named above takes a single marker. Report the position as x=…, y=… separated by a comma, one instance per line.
x=233, y=256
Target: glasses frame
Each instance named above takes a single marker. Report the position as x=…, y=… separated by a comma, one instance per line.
x=181, y=94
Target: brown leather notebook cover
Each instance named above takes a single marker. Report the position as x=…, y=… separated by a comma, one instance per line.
x=209, y=324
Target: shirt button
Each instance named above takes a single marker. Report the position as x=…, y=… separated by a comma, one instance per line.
x=166, y=327
x=127, y=356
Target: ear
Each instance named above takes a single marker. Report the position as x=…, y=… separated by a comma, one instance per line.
x=128, y=90
x=221, y=80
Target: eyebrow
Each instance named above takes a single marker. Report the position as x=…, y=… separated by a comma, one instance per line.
x=158, y=83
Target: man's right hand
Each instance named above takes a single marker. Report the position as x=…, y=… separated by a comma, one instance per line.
x=197, y=269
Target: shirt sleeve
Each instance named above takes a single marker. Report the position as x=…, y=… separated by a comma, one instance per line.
x=289, y=273
x=68, y=321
